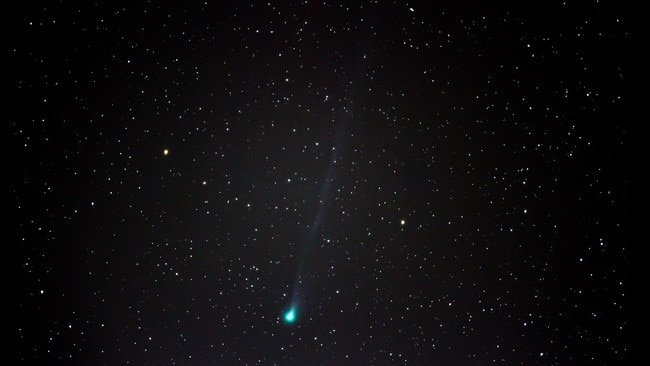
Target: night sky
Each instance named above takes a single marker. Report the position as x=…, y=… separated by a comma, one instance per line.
x=310, y=183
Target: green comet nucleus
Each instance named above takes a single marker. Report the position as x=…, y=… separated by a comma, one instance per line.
x=290, y=315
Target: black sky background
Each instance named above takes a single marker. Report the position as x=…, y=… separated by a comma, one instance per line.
x=477, y=213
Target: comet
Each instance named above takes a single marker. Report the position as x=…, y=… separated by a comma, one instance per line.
x=290, y=315
x=312, y=233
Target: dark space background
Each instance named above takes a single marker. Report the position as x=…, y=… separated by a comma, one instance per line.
x=167, y=159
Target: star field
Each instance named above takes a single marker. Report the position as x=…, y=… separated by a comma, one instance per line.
x=314, y=182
